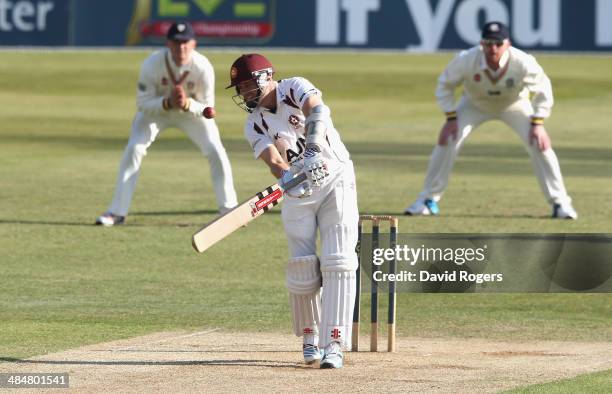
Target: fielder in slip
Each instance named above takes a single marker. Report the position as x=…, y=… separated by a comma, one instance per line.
x=290, y=129
x=499, y=82
x=175, y=89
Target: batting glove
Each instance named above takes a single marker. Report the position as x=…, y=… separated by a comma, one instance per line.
x=300, y=191
x=315, y=166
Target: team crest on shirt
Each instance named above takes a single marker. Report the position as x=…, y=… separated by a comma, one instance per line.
x=190, y=85
x=477, y=77
x=294, y=121
x=510, y=83
x=164, y=81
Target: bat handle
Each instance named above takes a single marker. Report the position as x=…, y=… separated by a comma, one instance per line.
x=295, y=181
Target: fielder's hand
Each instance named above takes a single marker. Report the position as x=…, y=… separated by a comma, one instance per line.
x=300, y=191
x=315, y=166
x=449, y=130
x=178, y=98
x=539, y=135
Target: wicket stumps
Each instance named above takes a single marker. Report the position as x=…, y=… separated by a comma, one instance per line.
x=375, y=220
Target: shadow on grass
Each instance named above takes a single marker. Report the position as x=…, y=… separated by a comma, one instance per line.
x=92, y=224
x=460, y=215
x=170, y=213
x=203, y=212
x=273, y=212
x=44, y=223
x=496, y=216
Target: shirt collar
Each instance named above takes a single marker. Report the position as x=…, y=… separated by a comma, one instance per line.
x=173, y=65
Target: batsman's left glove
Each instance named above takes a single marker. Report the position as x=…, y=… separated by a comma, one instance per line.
x=299, y=191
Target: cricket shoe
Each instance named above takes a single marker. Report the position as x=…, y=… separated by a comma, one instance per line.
x=425, y=207
x=108, y=220
x=565, y=211
x=332, y=356
x=312, y=353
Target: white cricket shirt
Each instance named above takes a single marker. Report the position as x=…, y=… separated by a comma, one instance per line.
x=285, y=128
x=520, y=77
x=156, y=82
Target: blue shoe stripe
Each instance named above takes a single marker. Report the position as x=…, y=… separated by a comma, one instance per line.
x=433, y=207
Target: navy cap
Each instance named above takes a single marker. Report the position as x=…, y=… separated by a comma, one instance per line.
x=180, y=31
x=495, y=31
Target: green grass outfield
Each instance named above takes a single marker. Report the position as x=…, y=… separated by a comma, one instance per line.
x=65, y=118
x=599, y=382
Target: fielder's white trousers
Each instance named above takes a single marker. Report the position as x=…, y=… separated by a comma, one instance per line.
x=518, y=117
x=145, y=129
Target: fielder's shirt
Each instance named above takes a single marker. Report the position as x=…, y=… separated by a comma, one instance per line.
x=519, y=77
x=156, y=81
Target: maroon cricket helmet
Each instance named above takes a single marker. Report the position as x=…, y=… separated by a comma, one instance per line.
x=249, y=66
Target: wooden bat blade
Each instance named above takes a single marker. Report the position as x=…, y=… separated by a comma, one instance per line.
x=231, y=221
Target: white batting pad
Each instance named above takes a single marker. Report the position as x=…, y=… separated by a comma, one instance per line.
x=306, y=311
x=338, y=248
x=337, y=308
x=304, y=284
x=303, y=275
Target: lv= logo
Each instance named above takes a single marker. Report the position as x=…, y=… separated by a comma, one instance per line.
x=165, y=9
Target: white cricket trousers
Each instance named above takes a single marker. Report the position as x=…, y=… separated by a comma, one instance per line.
x=145, y=129
x=333, y=211
x=518, y=117
x=328, y=209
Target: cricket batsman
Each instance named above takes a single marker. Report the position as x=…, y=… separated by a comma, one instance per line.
x=503, y=83
x=289, y=127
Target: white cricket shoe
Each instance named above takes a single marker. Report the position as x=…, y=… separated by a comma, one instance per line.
x=332, y=356
x=312, y=353
x=108, y=220
x=423, y=208
x=565, y=211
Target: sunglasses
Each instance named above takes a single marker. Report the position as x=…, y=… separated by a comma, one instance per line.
x=490, y=43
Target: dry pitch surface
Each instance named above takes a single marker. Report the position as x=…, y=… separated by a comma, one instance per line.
x=225, y=362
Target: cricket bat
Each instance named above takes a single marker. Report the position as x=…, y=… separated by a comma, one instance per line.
x=231, y=221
